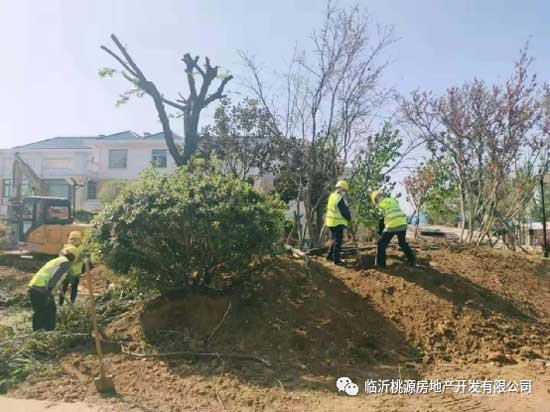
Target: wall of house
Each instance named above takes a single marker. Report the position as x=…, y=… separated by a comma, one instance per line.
x=58, y=165
x=139, y=158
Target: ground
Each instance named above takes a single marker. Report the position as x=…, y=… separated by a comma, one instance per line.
x=465, y=313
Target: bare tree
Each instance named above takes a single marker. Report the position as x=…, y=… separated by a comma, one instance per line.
x=326, y=103
x=191, y=106
x=493, y=135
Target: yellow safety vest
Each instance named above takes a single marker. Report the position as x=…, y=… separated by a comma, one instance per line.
x=76, y=266
x=393, y=215
x=334, y=217
x=43, y=276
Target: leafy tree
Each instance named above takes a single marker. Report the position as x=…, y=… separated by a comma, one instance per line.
x=441, y=206
x=110, y=190
x=492, y=134
x=418, y=186
x=370, y=172
x=241, y=138
x=187, y=229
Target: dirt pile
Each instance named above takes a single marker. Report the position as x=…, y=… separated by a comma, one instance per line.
x=469, y=304
x=472, y=309
x=465, y=304
x=298, y=318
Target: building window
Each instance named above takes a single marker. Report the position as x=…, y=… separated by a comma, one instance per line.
x=160, y=158
x=91, y=189
x=7, y=188
x=118, y=159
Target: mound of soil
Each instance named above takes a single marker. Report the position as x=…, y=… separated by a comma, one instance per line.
x=470, y=305
x=299, y=319
x=463, y=307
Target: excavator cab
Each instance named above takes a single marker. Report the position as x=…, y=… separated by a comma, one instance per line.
x=39, y=210
x=43, y=223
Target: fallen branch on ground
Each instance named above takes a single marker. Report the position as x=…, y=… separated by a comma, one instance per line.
x=207, y=341
x=188, y=354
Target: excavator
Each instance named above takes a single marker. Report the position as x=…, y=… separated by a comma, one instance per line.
x=42, y=223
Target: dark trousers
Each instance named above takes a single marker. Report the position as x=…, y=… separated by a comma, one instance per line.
x=337, y=233
x=74, y=281
x=43, y=306
x=383, y=243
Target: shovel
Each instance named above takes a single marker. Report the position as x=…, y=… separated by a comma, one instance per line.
x=105, y=382
x=360, y=258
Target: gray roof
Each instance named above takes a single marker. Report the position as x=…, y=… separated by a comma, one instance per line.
x=65, y=142
x=59, y=143
x=125, y=135
x=159, y=136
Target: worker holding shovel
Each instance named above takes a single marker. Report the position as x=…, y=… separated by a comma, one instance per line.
x=337, y=219
x=76, y=269
x=48, y=278
x=394, y=222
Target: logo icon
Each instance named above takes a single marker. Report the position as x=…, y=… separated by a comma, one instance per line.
x=345, y=384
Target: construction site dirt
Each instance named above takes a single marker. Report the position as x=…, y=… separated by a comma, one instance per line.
x=468, y=314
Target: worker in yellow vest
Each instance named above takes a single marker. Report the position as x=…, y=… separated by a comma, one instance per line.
x=337, y=219
x=48, y=278
x=393, y=222
x=77, y=268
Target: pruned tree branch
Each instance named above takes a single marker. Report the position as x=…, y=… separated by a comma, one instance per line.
x=190, y=107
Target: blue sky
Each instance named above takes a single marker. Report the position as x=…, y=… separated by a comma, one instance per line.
x=50, y=50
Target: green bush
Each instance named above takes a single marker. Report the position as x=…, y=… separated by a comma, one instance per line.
x=110, y=190
x=5, y=231
x=84, y=216
x=183, y=229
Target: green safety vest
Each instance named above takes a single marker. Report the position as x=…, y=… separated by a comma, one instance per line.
x=43, y=276
x=393, y=215
x=76, y=266
x=334, y=217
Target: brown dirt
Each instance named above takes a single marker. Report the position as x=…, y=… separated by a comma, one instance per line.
x=476, y=313
x=28, y=405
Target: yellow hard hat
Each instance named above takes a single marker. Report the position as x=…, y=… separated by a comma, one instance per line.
x=374, y=195
x=75, y=235
x=73, y=250
x=342, y=184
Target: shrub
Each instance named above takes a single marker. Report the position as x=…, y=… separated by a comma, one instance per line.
x=5, y=232
x=84, y=216
x=110, y=190
x=183, y=229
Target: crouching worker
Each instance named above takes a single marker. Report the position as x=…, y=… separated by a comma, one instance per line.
x=48, y=278
x=77, y=268
x=393, y=222
x=337, y=219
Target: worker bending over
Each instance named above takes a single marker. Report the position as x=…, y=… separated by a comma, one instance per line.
x=393, y=222
x=48, y=278
x=337, y=219
x=76, y=269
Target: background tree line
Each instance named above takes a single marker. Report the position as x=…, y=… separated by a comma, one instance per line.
x=328, y=115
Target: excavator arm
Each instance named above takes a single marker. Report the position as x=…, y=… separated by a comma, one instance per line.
x=21, y=169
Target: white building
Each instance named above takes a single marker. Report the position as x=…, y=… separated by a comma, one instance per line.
x=88, y=161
